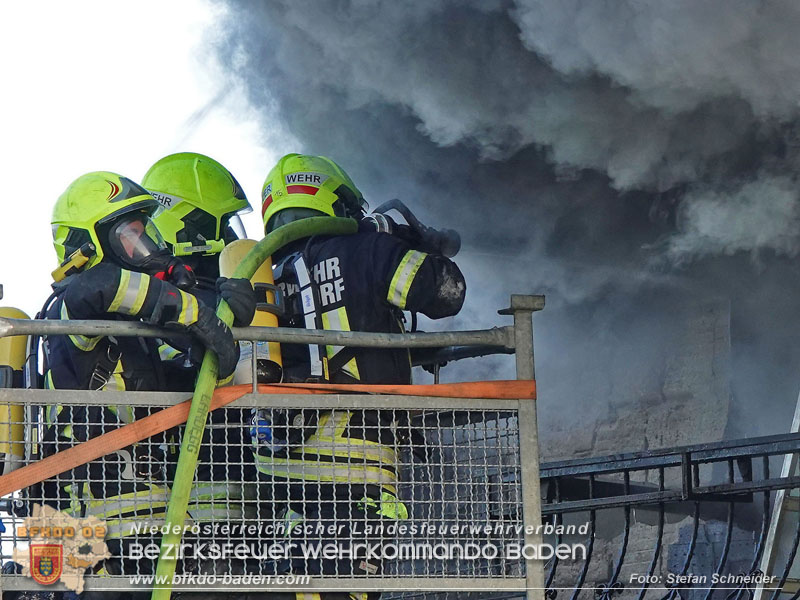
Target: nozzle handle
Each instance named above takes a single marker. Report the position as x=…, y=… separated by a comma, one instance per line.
x=446, y=242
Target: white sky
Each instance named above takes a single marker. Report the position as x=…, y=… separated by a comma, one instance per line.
x=94, y=86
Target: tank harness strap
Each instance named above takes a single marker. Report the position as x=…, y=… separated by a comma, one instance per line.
x=107, y=360
x=308, y=306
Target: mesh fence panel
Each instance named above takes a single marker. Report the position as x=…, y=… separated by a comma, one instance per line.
x=355, y=492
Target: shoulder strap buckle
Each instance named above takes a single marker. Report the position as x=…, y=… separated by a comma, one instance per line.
x=107, y=361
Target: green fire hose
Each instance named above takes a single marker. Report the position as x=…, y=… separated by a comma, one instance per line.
x=206, y=382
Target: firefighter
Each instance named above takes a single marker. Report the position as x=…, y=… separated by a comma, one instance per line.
x=340, y=466
x=200, y=206
x=128, y=276
x=201, y=202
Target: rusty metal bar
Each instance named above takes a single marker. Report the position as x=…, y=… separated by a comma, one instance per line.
x=522, y=308
x=500, y=337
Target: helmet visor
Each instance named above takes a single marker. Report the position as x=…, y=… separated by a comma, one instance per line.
x=232, y=228
x=135, y=239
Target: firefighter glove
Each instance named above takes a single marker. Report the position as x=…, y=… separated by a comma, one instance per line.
x=241, y=298
x=216, y=336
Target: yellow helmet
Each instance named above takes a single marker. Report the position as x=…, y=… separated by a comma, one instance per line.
x=110, y=211
x=302, y=186
x=201, y=201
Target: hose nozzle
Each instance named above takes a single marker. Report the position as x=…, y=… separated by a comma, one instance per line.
x=446, y=242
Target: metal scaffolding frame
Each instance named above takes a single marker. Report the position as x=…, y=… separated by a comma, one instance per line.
x=484, y=433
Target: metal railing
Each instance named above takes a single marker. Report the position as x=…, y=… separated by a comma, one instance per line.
x=687, y=522
x=467, y=472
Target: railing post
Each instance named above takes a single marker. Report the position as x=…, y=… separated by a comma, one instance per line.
x=522, y=308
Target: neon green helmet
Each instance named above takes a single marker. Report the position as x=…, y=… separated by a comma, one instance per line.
x=302, y=186
x=201, y=200
x=96, y=203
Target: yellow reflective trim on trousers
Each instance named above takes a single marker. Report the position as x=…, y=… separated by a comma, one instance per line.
x=122, y=289
x=81, y=342
x=154, y=491
x=123, y=528
x=383, y=455
x=50, y=418
x=213, y=491
x=196, y=512
x=328, y=436
x=221, y=490
x=123, y=412
x=327, y=428
x=157, y=495
x=132, y=507
x=74, y=509
x=189, y=309
x=333, y=424
x=346, y=441
x=203, y=513
x=322, y=423
x=342, y=419
x=404, y=277
x=333, y=472
x=52, y=413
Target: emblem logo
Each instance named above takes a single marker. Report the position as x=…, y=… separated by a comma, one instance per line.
x=114, y=190
x=47, y=561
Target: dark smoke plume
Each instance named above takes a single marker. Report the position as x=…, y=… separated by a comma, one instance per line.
x=631, y=160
